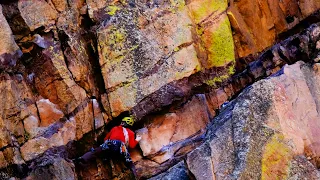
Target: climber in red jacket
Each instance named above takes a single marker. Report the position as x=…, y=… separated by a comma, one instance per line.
x=116, y=142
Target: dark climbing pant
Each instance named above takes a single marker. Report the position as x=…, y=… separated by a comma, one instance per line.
x=111, y=148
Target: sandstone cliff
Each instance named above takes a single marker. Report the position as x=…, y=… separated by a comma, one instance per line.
x=70, y=70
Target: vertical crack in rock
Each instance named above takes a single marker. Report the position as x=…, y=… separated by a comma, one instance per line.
x=64, y=38
x=92, y=50
x=38, y=113
x=15, y=20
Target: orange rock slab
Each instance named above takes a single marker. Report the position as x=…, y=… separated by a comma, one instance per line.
x=166, y=130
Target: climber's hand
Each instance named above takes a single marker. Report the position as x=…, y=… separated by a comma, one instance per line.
x=138, y=138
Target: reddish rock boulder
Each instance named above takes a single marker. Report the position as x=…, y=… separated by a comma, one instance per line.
x=49, y=113
x=37, y=13
x=54, y=81
x=256, y=24
x=309, y=7
x=37, y=146
x=173, y=127
x=84, y=120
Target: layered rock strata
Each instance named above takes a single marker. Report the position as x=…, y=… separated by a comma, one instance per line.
x=69, y=69
x=270, y=131
x=269, y=63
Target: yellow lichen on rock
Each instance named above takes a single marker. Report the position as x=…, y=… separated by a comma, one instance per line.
x=218, y=79
x=276, y=159
x=218, y=43
x=202, y=9
x=113, y=47
x=177, y=4
x=112, y=10
x=113, y=52
x=214, y=31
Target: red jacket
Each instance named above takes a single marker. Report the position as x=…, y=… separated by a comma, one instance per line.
x=116, y=133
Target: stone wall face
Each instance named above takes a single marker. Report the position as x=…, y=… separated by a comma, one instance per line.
x=69, y=70
x=268, y=132
x=257, y=24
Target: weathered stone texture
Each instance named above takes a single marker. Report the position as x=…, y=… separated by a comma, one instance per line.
x=54, y=81
x=58, y=169
x=37, y=13
x=308, y=7
x=87, y=63
x=268, y=132
x=257, y=24
x=199, y=163
x=60, y=5
x=37, y=146
x=9, y=50
x=3, y=162
x=16, y=97
x=13, y=156
x=48, y=112
x=84, y=120
x=179, y=171
x=138, y=59
x=167, y=130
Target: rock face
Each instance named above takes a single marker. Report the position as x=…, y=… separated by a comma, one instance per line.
x=9, y=51
x=141, y=52
x=58, y=169
x=179, y=171
x=258, y=24
x=70, y=70
x=267, y=132
x=37, y=14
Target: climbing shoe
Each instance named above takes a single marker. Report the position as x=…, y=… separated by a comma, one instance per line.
x=78, y=160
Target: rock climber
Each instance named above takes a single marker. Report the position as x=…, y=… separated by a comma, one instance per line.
x=116, y=142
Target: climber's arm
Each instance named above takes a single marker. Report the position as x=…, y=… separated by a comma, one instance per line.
x=132, y=141
x=108, y=136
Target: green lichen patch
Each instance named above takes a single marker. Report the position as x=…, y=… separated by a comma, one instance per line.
x=112, y=44
x=116, y=36
x=219, y=79
x=112, y=10
x=276, y=159
x=218, y=42
x=231, y=70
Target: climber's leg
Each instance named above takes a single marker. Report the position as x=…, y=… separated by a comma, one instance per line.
x=132, y=168
x=90, y=155
x=128, y=161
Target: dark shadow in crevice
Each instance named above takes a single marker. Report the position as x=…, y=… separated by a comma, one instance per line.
x=302, y=25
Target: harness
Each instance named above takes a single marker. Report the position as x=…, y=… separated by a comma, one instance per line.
x=118, y=146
